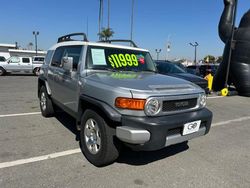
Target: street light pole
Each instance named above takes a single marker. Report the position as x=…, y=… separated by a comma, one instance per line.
x=158, y=51
x=36, y=33
x=195, y=51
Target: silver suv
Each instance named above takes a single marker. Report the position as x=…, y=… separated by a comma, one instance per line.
x=117, y=97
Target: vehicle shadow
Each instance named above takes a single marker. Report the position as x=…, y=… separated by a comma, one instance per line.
x=68, y=122
x=127, y=155
x=139, y=158
x=21, y=74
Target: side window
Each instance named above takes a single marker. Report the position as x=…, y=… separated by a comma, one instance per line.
x=75, y=53
x=38, y=59
x=48, y=57
x=14, y=60
x=26, y=60
x=56, y=60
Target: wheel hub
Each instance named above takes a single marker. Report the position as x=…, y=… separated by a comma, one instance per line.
x=92, y=136
x=43, y=101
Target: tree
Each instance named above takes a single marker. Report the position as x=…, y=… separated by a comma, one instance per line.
x=209, y=59
x=106, y=34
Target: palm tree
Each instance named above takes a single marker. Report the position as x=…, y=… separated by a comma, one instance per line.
x=106, y=33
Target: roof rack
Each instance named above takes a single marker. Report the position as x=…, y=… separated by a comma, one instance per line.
x=68, y=37
x=120, y=40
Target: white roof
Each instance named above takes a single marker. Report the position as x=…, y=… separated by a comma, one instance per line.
x=8, y=45
x=27, y=51
x=101, y=44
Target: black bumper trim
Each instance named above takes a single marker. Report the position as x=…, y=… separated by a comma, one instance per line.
x=160, y=127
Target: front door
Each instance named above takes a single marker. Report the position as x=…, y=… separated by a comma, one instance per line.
x=13, y=64
x=66, y=82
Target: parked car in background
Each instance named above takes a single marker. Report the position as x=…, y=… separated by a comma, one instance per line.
x=201, y=70
x=19, y=64
x=172, y=69
x=38, y=60
x=2, y=59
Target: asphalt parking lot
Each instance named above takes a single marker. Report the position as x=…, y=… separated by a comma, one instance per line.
x=44, y=152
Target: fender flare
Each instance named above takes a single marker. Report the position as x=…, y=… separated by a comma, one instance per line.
x=108, y=111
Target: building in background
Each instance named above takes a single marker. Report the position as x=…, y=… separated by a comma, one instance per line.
x=8, y=50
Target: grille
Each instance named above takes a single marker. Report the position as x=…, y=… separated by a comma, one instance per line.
x=174, y=131
x=177, y=105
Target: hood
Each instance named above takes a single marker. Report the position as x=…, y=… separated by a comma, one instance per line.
x=143, y=82
x=3, y=63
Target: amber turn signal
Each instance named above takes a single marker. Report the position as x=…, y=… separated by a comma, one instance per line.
x=131, y=104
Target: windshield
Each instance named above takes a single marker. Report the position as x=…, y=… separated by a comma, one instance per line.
x=117, y=59
x=168, y=68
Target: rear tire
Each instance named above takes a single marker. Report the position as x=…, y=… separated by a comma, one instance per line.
x=46, y=104
x=98, y=142
x=2, y=71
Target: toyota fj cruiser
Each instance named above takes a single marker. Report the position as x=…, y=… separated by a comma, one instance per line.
x=117, y=97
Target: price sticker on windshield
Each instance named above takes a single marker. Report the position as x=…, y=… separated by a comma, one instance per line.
x=123, y=60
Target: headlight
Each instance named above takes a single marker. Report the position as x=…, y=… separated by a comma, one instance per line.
x=202, y=100
x=152, y=107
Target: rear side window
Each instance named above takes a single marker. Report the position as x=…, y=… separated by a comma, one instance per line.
x=26, y=60
x=38, y=59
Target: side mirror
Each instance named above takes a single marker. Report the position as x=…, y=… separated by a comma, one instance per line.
x=67, y=63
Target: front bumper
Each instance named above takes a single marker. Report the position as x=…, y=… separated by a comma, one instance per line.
x=153, y=133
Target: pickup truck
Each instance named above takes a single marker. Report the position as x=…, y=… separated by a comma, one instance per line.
x=117, y=98
x=19, y=64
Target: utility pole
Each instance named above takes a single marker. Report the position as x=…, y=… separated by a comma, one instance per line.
x=158, y=51
x=36, y=33
x=132, y=19
x=108, y=14
x=100, y=17
x=195, y=51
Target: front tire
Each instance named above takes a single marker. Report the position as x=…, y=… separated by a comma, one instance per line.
x=2, y=71
x=36, y=71
x=97, y=140
x=46, y=104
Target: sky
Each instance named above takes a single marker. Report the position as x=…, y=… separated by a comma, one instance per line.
x=155, y=21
